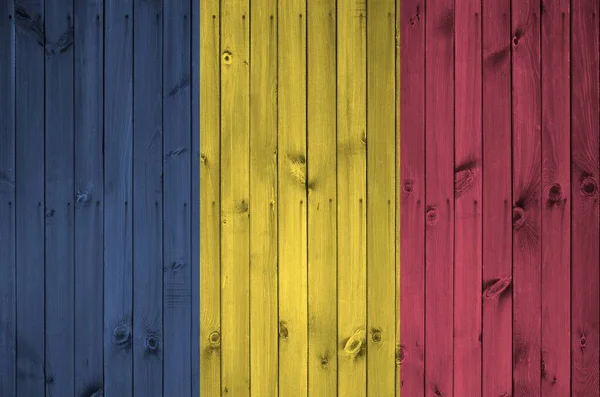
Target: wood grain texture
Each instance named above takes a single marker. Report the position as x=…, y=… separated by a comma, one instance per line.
x=322, y=198
x=496, y=195
x=235, y=191
x=210, y=202
x=585, y=282
x=263, y=199
x=556, y=220
x=526, y=152
x=439, y=212
x=148, y=345
x=352, y=193
x=412, y=198
x=292, y=198
x=89, y=196
x=468, y=199
x=59, y=186
x=177, y=154
x=8, y=314
x=29, y=184
x=118, y=200
x=381, y=195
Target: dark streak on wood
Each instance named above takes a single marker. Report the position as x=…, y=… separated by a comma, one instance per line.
x=466, y=175
x=33, y=27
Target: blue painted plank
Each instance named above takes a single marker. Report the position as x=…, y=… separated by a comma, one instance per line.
x=195, y=185
x=30, y=40
x=59, y=165
x=177, y=198
x=8, y=364
x=89, y=190
x=147, y=195
x=118, y=150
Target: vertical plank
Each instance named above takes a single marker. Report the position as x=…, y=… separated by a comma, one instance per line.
x=439, y=212
x=147, y=199
x=497, y=211
x=263, y=199
x=235, y=231
x=467, y=199
x=585, y=102
x=59, y=185
x=29, y=184
x=381, y=192
x=526, y=122
x=292, y=182
x=322, y=200
x=118, y=152
x=89, y=195
x=210, y=203
x=397, y=181
x=177, y=198
x=8, y=315
x=556, y=219
x=351, y=188
x=412, y=200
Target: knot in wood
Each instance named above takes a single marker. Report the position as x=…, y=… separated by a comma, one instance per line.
x=324, y=362
x=227, y=58
x=431, y=216
x=519, y=217
x=400, y=355
x=588, y=186
x=408, y=188
x=555, y=193
x=354, y=345
x=214, y=339
x=152, y=343
x=121, y=334
x=583, y=341
x=283, y=330
x=376, y=336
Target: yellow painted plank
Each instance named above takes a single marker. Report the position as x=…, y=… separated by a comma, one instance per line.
x=263, y=199
x=235, y=192
x=322, y=203
x=352, y=211
x=381, y=208
x=210, y=204
x=292, y=218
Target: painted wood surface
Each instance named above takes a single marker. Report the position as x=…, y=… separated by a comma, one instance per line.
x=499, y=256
x=298, y=212
x=99, y=171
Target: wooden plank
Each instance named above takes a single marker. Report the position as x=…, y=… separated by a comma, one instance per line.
x=467, y=199
x=235, y=192
x=556, y=219
x=411, y=353
x=8, y=315
x=118, y=152
x=59, y=185
x=322, y=200
x=29, y=184
x=439, y=211
x=526, y=122
x=89, y=196
x=292, y=186
x=381, y=195
x=585, y=281
x=147, y=192
x=177, y=198
x=351, y=188
x=397, y=181
x=497, y=211
x=210, y=203
x=263, y=199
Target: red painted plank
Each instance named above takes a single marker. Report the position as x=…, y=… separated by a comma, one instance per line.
x=497, y=211
x=467, y=202
x=526, y=112
x=556, y=248
x=585, y=101
x=439, y=181
x=412, y=199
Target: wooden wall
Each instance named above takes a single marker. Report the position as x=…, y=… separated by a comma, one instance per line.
x=99, y=171
x=299, y=269
x=499, y=202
